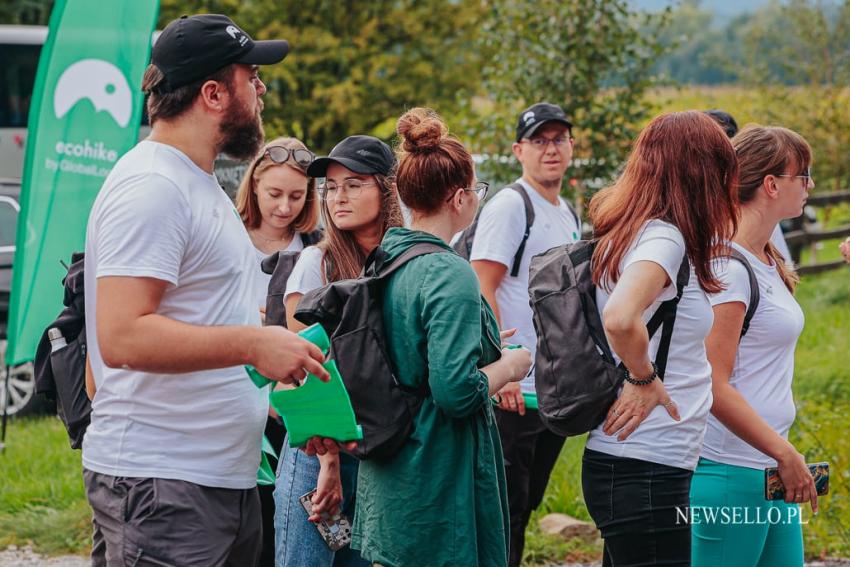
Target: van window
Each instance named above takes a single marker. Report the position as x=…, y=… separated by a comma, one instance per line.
x=8, y=224
x=18, y=66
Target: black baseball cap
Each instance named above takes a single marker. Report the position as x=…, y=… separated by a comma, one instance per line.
x=535, y=115
x=360, y=154
x=194, y=47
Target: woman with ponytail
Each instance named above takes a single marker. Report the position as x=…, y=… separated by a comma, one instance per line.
x=753, y=407
x=441, y=500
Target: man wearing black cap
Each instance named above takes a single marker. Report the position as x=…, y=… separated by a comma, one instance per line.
x=501, y=254
x=171, y=456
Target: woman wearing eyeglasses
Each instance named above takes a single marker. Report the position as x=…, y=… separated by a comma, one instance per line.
x=359, y=204
x=279, y=207
x=752, y=369
x=441, y=500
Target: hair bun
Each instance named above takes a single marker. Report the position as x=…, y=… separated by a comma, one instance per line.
x=421, y=130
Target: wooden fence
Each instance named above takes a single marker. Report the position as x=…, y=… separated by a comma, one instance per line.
x=798, y=238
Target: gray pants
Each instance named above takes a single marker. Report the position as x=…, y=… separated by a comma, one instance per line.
x=160, y=522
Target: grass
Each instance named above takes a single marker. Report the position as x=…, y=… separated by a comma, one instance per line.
x=42, y=501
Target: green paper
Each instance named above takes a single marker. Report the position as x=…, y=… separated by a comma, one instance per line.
x=315, y=333
x=265, y=474
x=530, y=400
x=317, y=409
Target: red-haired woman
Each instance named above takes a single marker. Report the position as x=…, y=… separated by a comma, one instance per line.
x=676, y=199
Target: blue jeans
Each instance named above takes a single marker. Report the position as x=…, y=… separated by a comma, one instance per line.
x=638, y=507
x=297, y=541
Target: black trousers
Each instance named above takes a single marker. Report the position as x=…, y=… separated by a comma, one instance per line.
x=531, y=452
x=640, y=508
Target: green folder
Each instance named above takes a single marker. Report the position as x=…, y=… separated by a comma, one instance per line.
x=317, y=409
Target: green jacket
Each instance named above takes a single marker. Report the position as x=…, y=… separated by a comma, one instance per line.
x=442, y=499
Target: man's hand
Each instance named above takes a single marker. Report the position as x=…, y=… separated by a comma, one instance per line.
x=510, y=398
x=281, y=355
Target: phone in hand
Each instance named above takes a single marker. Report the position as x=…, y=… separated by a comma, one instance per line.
x=774, y=489
x=335, y=529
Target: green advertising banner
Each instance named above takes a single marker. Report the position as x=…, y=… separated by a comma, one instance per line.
x=85, y=114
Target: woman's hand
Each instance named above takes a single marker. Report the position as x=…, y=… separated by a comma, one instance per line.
x=510, y=398
x=634, y=405
x=328, y=490
x=798, y=481
x=506, y=334
x=845, y=249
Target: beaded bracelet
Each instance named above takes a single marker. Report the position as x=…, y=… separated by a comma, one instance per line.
x=645, y=382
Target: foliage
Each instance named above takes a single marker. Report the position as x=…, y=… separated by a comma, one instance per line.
x=356, y=67
x=591, y=57
x=25, y=12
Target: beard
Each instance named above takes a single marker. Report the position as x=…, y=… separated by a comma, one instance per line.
x=240, y=132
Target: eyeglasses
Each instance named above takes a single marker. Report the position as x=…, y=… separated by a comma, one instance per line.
x=541, y=143
x=353, y=187
x=280, y=154
x=806, y=177
x=479, y=189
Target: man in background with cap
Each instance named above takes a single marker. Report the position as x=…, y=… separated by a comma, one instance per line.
x=170, y=458
x=544, y=148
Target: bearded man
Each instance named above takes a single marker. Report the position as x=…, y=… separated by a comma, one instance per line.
x=171, y=456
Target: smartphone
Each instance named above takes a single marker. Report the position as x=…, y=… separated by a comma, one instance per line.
x=775, y=490
x=335, y=529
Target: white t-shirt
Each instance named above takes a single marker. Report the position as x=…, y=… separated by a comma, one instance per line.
x=497, y=238
x=307, y=273
x=764, y=367
x=659, y=438
x=158, y=215
x=263, y=279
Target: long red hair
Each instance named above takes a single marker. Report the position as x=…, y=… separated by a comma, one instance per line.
x=682, y=170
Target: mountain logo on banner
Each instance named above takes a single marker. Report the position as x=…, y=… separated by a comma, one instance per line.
x=99, y=81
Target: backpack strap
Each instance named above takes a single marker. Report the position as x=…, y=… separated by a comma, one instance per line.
x=383, y=271
x=755, y=294
x=529, y=220
x=666, y=315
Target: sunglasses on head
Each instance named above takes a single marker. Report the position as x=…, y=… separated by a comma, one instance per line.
x=280, y=154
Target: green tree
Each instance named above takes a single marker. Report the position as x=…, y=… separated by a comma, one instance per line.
x=592, y=57
x=355, y=67
x=798, y=56
x=25, y=12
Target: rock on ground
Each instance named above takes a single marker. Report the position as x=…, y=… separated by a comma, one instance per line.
x=15, y=556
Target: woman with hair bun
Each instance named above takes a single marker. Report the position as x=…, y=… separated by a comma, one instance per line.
x=441, y=500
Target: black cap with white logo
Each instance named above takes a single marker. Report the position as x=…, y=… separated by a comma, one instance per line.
x=360, y=154
x=194, y=47
x=535, y=115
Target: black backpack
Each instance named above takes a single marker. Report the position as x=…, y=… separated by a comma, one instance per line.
x=463, y=245
x=576, y=376
x=61, y=375
x=755, y=294
x=280, y=265
x=351, y=313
